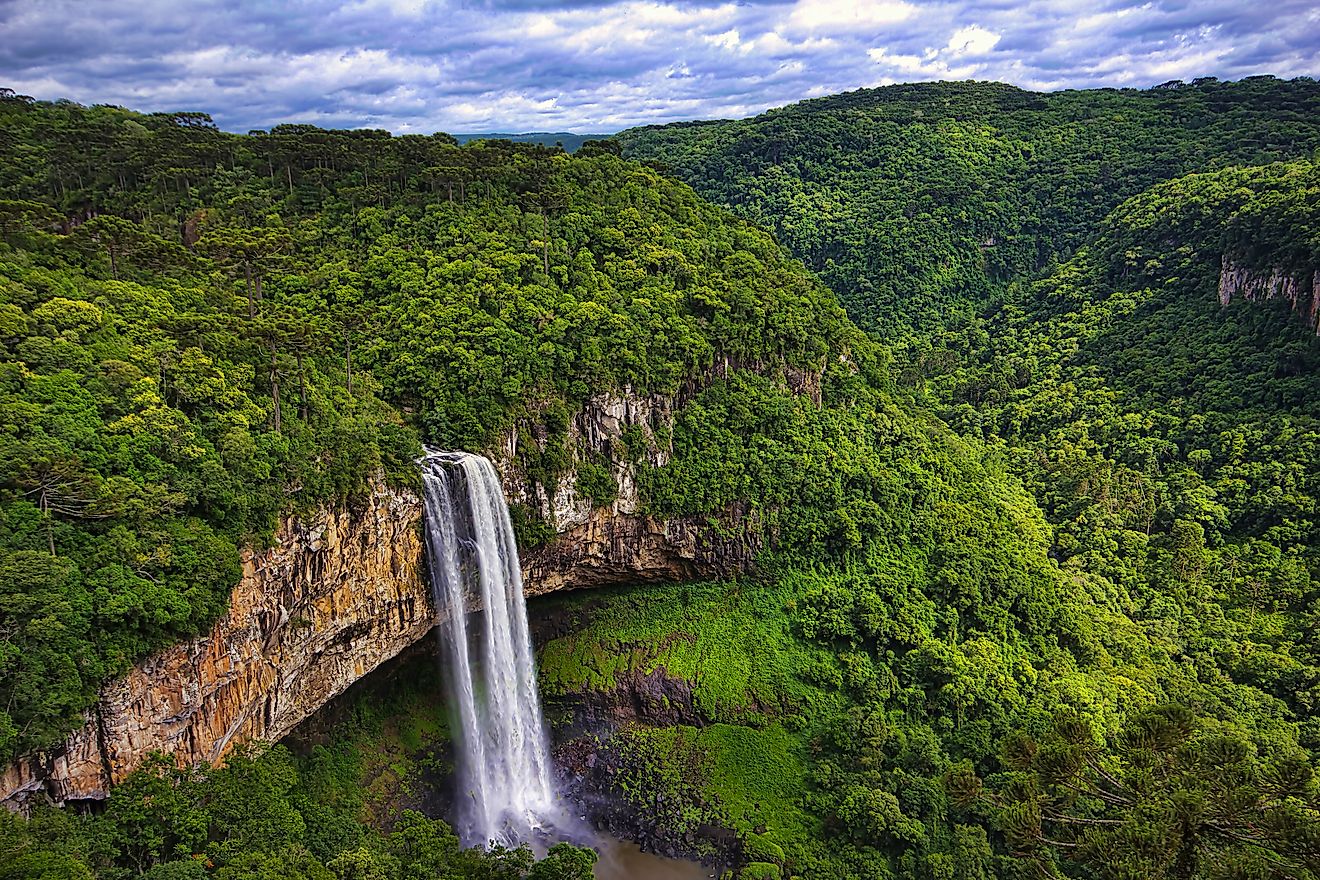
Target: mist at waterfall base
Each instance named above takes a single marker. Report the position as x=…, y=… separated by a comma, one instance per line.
x=506, y=790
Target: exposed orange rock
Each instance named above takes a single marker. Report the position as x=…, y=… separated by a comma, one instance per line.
x=338, y=594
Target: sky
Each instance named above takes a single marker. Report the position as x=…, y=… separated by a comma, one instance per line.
x=419, y=66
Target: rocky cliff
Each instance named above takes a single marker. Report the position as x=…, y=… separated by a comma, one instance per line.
x=1302, y=291
x=336, y=595
x=617, y=543
x=343, y=590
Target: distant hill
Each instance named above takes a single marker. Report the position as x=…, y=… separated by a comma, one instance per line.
x=921, y=203
x=567, y=139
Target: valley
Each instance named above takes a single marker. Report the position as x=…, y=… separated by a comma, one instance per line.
x=919, y=482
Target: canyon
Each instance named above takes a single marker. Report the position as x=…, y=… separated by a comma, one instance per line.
x=341, y=590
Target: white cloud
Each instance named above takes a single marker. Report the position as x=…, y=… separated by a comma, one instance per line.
x=604, y=29
x=972, y=40
x=728, y=40
x=1101, y=20
x=401, y=8
x=838, y=15
x=423, y=65
x=949, y=62
x=905, y=68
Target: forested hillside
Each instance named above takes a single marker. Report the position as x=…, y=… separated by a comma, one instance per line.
x=918, y=202
x=1064, y=630
x=1163, y=723
x=1171, y=442
x=201, y=328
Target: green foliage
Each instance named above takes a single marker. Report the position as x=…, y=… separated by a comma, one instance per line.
x=564, y=862
x=1174, y=443
x=760, y=848
x=253, y=819
x=667, y=773
x=139, y=455
x=918, y=202
x=374, y=760
x=730, y=641
x=1168, y=796
x=24, y=857
x=595, y=481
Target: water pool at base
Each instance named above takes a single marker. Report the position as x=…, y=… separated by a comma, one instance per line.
x=624, y=860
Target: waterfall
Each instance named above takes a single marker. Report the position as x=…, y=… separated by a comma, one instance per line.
x=502, y=758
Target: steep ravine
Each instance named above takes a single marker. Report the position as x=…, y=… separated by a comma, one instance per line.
x=341, y=591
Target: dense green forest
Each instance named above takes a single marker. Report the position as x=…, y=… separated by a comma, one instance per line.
x=201, y=330
x=919, y=202
x=1040, y=593
x=206, y=330
x=1162, y=722
x=1174, y=443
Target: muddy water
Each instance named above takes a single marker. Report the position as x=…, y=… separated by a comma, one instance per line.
x=624, y=860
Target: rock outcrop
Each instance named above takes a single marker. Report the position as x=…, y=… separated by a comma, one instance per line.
x=336, y=595
x=1302, y=291
x=618, y=543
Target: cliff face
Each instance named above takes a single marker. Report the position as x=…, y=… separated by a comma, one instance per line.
x=1302, y=292
x=618, y=543
x=339, y=593
x=343, y=591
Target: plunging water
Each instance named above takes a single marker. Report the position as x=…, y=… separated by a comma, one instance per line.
x=502, y=759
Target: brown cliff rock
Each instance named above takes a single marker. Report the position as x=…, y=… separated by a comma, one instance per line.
x=338, y=593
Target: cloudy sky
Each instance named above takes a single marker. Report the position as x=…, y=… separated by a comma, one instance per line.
x=598, y=66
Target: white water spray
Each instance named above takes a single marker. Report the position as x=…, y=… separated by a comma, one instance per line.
x=503, y=761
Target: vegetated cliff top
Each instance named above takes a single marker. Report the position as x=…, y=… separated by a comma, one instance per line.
x=917, y=203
